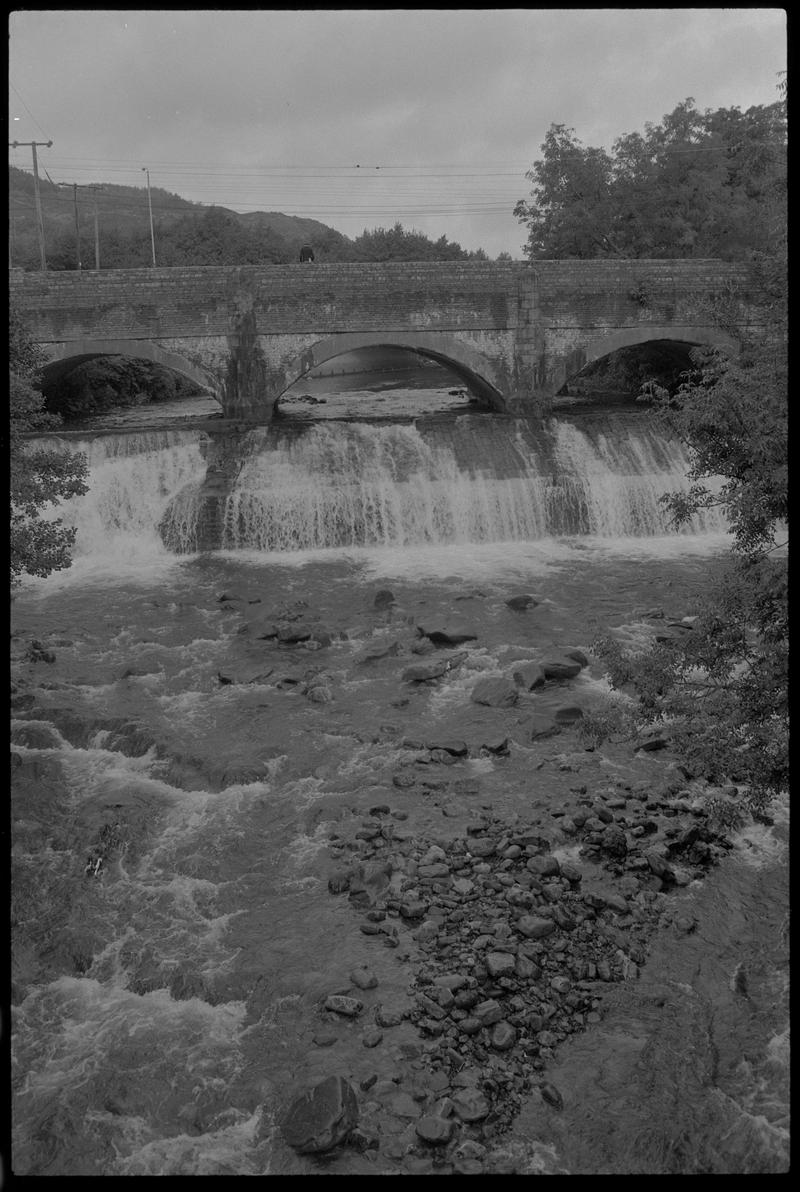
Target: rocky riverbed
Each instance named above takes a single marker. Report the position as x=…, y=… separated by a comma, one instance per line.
x=366, y=878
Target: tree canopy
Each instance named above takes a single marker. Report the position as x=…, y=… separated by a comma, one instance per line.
x=699, y=184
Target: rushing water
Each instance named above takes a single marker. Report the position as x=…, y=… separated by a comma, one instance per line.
x=175, y=787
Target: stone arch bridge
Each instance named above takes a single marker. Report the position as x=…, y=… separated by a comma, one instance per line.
x=514, y=333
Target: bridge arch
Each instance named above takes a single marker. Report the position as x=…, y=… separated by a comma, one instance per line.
x=61, y=357
x=625, y=337
x=469, y=364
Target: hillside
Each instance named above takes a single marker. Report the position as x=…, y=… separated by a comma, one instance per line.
x=123, y=215
x=186, y=233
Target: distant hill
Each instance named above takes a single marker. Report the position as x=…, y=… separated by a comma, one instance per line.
x=123, y=214
x=186, y=233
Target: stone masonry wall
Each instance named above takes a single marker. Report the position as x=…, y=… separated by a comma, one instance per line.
x=520, y=328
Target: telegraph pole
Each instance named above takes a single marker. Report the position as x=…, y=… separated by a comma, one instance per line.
x=150, y=208
x=93, y=187
x=94, y=190
x=37, y=197
x=77, y=226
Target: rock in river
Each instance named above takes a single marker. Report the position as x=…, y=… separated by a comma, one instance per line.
x=495, y=692
x=322, y=1117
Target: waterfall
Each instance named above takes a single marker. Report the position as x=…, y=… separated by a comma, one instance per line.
x=132, y=479
x=476, y=478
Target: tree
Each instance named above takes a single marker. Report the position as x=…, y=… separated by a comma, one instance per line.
x=724, y=688
x=39, y=476
x=699, y=184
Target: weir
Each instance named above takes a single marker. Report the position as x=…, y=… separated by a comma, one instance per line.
x=470, y=479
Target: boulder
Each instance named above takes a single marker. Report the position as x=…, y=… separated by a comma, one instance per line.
x=535, y=928
x=448, y=635
x=384, y=597
x=321, y=1118
x=495, y=693
x=567, y=714
x=497, y=745
x=423, y=672
x=290, y=634
x=560, y=667
x=521, y=602
x=385, y=649
x=503, y=1037
x=652, y=739
x=528, y=675
x=246, y=673
x=435, y=1130
x=457, y=748
x=349, y=1007
x=470, y=1105
x=543, y=726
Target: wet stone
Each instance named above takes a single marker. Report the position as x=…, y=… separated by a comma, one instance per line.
x=568, y=714
x=488, y=1012
x=449, y=745
x=551, y=1095
x=500, y=964
x=470, y=1105
x=435, y=1130
x=543, y=866
x=424, y=672
x=534, y=927
x=521, y=602
x=561, y=668
x=324, y=1038
x=322, y=1117
x=349, y=1007
x=339, y=881
x=528, y=676
x=482, y=846
x=495, y=692
x=448, y=635
x=388, y=1016
x=363, y=977
x=503, y=1036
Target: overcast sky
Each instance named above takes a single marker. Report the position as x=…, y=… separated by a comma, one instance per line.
x=365, y=117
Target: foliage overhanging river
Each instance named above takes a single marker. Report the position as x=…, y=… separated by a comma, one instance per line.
x=181, y=795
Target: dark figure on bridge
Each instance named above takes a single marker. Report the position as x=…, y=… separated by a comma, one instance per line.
x=306, y=253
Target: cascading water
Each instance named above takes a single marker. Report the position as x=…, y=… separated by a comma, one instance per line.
x=472, y=479
x=132, y=478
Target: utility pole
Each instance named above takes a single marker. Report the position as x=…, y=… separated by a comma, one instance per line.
x=37, y=197
x=77, y=226
x=93, y=187
x=150, y=208
x=94, y=190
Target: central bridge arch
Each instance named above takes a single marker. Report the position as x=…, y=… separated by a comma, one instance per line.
x=470, y=365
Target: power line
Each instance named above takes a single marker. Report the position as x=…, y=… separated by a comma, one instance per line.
x=27, y=109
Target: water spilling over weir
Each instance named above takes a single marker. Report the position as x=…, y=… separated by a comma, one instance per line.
x=459, y=480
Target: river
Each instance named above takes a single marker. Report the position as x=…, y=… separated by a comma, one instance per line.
x=180, y=793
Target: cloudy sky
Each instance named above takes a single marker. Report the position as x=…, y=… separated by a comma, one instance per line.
x=361, y=118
